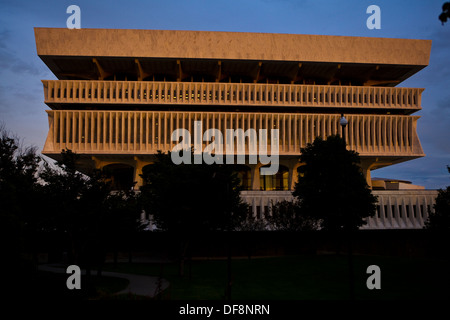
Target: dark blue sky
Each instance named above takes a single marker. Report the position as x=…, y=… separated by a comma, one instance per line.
x=21, y=70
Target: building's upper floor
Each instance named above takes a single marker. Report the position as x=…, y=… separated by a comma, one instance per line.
x=232, y=69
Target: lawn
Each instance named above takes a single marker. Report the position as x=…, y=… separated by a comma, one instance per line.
x=309, y=277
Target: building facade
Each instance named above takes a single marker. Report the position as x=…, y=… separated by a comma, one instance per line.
x=120, y=94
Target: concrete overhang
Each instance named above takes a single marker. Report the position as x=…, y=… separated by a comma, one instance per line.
x=97, y=53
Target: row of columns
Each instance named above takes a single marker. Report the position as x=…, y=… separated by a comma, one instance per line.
x=291, y=163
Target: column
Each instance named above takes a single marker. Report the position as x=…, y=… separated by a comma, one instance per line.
x=293, y=175
x=366, y=165
x=137, y=173
x=255, y=176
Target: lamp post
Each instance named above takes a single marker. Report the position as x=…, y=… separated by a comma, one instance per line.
x=343, y=122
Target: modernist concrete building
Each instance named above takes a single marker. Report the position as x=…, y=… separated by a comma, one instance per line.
x=120, y=94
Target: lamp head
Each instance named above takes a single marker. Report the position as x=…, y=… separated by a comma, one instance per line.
x=343, y=122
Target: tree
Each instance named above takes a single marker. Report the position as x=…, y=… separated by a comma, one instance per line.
x=83, y=207
x=122, y=222
x=19, y=199
x=332, y=188
x=191, y=199
x=38, y=197
x=73, y=203
x=18, y=181
x=445, y=12
x=287, y=216
x=439, y=219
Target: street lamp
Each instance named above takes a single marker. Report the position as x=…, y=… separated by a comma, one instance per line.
x=343, y=122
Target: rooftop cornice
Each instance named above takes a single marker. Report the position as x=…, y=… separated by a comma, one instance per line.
x=230, y=45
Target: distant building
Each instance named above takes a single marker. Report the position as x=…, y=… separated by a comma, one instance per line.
x=121, y=93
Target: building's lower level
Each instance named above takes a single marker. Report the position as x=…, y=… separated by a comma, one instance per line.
x=401, y=205
x=396, y=209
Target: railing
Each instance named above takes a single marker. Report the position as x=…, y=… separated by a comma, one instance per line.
x=402, y=209
x=141, y=132
x=142, y=92
x=396, y=209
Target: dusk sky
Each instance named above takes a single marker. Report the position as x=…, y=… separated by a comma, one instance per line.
x=22, y=110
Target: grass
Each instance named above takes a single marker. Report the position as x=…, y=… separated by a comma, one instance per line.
x=315, y=277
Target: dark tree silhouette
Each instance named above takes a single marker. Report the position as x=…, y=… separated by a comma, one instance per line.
x=332, y=189
x=19, y=211
x=40, y=200
x=288, y=216
x=83, y=207
x=192, y=199
x=122, y=223
x=439, y=219
x=445, y=12
x=74, y=203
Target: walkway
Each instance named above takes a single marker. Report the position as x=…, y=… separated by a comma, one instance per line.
x=139, y=285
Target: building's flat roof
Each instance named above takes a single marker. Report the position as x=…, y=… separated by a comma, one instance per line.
x=230, y=46
x=391, y=180
x=391, y=59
